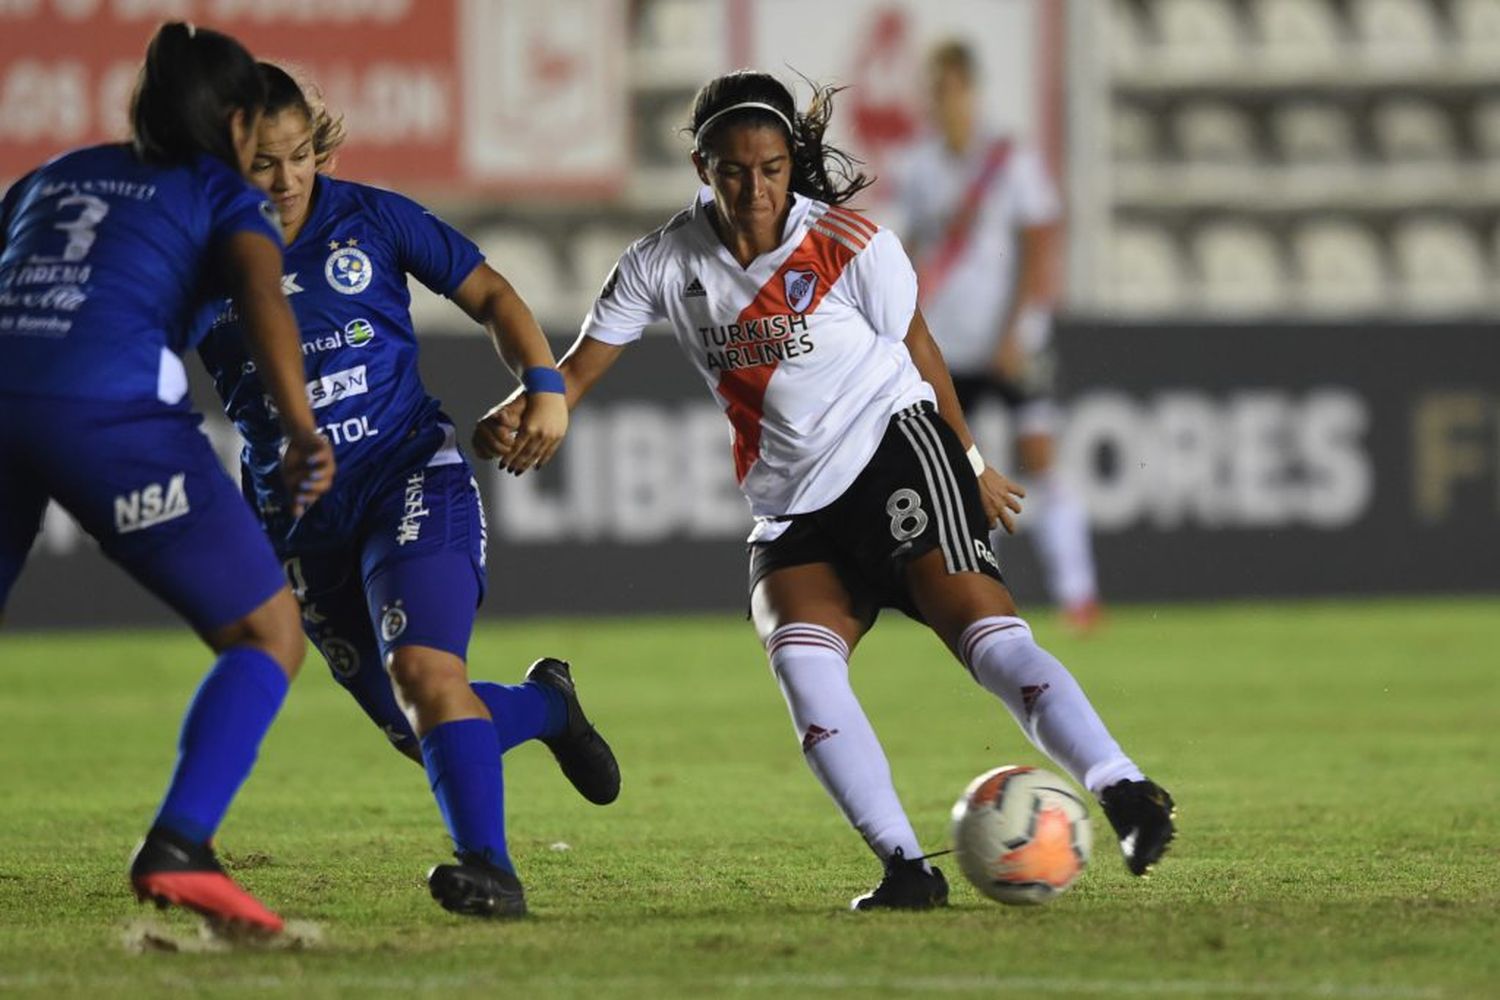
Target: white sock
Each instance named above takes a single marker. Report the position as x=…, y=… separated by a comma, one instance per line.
x=1062, y=540
x=1045, y=699
x=811, y=664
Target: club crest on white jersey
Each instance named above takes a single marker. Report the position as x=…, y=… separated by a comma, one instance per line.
x=800, y=287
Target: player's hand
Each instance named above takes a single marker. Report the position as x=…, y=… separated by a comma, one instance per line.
x=1002, y=499
x=495, y=432
x=543, y=421
x=307, y=469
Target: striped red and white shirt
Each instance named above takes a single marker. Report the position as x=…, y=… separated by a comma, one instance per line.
x=804, y=349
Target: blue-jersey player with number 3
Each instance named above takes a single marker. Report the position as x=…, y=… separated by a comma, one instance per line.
x=389, y=567
x=112, y=259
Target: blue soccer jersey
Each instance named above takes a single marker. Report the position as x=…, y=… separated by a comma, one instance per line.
x=345, y=277
x=108, y=273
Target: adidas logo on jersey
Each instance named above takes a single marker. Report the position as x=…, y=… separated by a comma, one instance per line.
x=152, y=505
x=694, y=289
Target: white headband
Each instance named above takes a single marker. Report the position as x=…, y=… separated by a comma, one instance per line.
x=762, y=105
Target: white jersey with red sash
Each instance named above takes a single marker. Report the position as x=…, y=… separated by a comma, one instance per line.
x=804, y=349
x=964, y=214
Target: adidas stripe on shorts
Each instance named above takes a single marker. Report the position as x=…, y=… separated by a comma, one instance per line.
x=916, y=494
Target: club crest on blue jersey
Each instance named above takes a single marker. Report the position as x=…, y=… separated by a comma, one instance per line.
x=799, y=287
x=348, y=270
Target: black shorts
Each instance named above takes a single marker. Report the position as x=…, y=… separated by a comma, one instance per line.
x=916, y=494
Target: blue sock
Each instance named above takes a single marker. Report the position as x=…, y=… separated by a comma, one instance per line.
x=523, y=711
x=463, y=768
x=221, y=736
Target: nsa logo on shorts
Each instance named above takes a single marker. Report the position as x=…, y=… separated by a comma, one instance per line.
x=153, y=505
x=392, y=623
x=348, y=270
x=799, y=286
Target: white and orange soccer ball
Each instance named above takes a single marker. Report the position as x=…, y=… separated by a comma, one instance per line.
x=1021, y=835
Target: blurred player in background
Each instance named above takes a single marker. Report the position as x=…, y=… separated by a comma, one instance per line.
x=390, y=567
x=852, y=450
x=983, y=223
x=111, y=260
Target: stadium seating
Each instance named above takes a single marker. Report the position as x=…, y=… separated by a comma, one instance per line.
x=1127, y=44
x=1297, y=33
x=1339, y=268
x=1440, y=266
x=1239, y=269
x=1413, y=130
x=526, y=259
x=592, y=255
x=1485, y=128
x=1396, y=32
x=1145, y=273
x=1133, y=135
x=1199, y=33
x=1476, y=30
x=1313, y=132
x=1214, y=132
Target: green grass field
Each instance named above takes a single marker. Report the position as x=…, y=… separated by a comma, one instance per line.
x=1334, y=766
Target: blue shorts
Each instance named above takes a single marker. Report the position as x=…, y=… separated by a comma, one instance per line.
x=411, y=575
x=144, y=482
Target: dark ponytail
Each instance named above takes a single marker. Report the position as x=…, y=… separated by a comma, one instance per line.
x=284, y=93
x=819, y=170
x=193, y=79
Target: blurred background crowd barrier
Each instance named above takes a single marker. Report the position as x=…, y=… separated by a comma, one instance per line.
x=1278, y=336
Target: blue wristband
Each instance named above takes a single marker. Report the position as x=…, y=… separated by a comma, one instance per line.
x=543, y=379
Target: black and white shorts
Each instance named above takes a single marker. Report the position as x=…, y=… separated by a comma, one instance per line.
x=916, y=494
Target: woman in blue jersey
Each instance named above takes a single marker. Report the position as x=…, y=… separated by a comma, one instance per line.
x=111, y=259
x=389, y=567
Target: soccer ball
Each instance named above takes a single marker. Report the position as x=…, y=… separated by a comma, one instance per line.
x=1021, y=835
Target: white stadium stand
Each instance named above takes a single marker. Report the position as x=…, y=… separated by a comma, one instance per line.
x=1485, y=127
x=1440, y=266
x=1313, y=131
x=1297, y=33
x=1133, y=135
x=1214, y=132
x=592, y=255
x=1476, y=30
x=1239, y=269
x=1199, y=32
x=526, y=260
x=1145, y=271
x=1396, y=31
x=1413, y=130
x=1339, y=268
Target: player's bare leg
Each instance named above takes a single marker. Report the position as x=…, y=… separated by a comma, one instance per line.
x=461, y=753
x=808, y=622
x=976, y=617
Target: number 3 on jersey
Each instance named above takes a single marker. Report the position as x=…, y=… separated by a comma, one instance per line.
x=908, y=519
x=80, y=230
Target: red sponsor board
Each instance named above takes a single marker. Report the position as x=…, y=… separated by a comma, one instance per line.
x=395, y=69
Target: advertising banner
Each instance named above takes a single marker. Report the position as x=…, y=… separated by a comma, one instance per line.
x=1216, y=462
x=431, y=92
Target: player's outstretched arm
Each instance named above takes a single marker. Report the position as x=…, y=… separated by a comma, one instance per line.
x=584, y=364
x=543, y=420
x=254, y=267
x=1002, y=498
